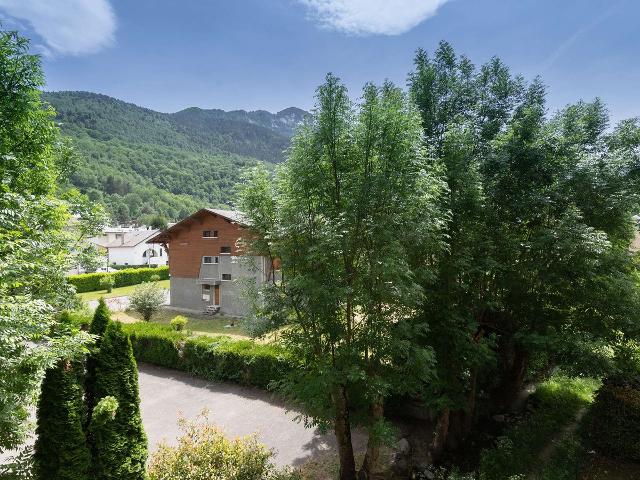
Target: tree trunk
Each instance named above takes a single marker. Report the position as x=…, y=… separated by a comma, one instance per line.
x=342, y=430
x=513, y=379
x=439, y=436
x=370, y=463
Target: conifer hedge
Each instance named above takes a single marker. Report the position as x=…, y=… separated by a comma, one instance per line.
x=90, y=282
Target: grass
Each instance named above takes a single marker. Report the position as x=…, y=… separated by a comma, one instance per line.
x=116, y=292
x=518, y=452
x=198, y=324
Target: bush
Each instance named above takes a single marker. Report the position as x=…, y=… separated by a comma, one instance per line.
x=204, y=452
x=154, y=278
x=212, y=358
x=90, y=282
x=147, y=299
x=106, y=283
x=179, y=322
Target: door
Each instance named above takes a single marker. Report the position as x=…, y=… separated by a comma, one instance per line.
x=216, y=295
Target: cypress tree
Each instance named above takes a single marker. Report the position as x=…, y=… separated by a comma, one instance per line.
x=118, y=444
x=101, y=319
x=61, y=451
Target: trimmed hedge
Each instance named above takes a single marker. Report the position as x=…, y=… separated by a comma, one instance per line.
x=212, y=358
x=90, y=282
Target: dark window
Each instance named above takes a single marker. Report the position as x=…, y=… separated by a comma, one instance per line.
x=206, y=287
x=226, y=276
x=215, y=233
x=206, y=234
x=160, y=252
x=225, y=249
x=207, y=259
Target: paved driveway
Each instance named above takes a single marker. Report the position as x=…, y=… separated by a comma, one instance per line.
x=236, y=409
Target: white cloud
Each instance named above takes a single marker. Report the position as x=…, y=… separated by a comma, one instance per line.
x=365, y=17
x=72, y=27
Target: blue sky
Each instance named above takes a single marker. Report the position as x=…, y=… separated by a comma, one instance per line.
x=271, y=54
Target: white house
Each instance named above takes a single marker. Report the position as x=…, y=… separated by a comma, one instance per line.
x=127, y=246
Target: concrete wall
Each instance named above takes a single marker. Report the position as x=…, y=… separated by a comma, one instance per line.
x=186, y=293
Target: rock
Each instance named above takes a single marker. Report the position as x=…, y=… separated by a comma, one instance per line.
x=500, y=418
x=403, y=446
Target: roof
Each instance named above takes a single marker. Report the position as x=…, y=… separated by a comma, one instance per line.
x=131, y=239
x=233, y=216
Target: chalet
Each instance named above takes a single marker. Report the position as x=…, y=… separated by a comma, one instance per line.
x=128, y=246
x=208, y=271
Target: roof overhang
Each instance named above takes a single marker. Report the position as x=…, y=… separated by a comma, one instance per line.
x=193, y=219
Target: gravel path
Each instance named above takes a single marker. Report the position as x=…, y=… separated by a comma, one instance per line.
x=237, y=410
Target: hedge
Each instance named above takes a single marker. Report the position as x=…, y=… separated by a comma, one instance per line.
x=217, y=358
x=90, y=282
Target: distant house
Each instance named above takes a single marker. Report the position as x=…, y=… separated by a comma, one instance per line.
x=207, y=269
x=128, y=246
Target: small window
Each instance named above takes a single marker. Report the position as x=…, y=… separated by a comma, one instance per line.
x=206, y=288
x=225, y=249
x=160, y=252
x=226, y=276
x=215, y=234
x=209, y=259
x=209, y=234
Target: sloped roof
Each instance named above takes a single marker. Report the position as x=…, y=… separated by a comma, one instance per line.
x=232, y=216
x=131, y=239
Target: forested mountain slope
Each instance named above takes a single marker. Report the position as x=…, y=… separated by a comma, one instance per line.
x=139, y=162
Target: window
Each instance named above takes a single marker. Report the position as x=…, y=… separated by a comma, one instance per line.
x=206, y=288
x=160, y=252
x=209, y=234
x=206, y=293
x=210, y=260
x=225, y=249
x=226, y=276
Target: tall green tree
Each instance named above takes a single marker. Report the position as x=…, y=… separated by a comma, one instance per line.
x=36, y=247
x=537, y=268
x=61, y=451
x=118, y=444
x=354, y=193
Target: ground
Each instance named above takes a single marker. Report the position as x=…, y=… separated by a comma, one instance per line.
x=116, y=292
x=198, y=324
x=236, y=409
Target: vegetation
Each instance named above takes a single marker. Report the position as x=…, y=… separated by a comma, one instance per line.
x=90, y=282
x=142, y=164
x=147, y=299
x=106, y=283
x=38, y=244
x=117, y=438
x=117, y=292
x=61, y=450
x=203, y=451
x=509, y=256
x=179, y=323
x=212, y=358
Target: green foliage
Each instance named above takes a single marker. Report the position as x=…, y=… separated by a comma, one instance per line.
x=212, y=358
x=106, y=282
x=203, y=451
x=118, y=442
x=517, y=452
x=142, y=164
x=179, y=323
x=154, y=278
x=147, y=299
x=99, y=323
x=36, y=245
x=90, y=282
x=61, y=451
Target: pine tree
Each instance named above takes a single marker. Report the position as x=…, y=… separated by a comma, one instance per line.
x=101, y=319
x=118, y=445
x=61, y=450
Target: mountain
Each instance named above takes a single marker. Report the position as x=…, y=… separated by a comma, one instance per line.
x=140, y=163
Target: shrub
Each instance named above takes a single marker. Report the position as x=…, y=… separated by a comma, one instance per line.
x=179, y=322
x=154, y=278
x=204, y=452
x=212, y=358
x=61, y=450
x=117, y=438
x=90, y=282
x=106, y=283
x=101, y=318
x=147, y=299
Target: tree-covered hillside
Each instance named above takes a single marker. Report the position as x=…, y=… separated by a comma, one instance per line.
x=141, y=163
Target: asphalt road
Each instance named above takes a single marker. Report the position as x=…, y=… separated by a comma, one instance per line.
x=236, y=409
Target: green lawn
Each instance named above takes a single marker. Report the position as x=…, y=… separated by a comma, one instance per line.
x=198, y=324
x=116, y=292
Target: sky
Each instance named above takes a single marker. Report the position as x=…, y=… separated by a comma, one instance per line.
x=271, y=54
